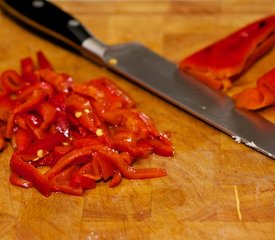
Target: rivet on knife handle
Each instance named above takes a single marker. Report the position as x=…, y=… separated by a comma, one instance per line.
x=47, y=17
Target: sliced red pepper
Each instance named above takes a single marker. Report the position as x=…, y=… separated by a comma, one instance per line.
x=261, y=96
x=116, y=179
x=114, y=96
x=43, y=62
x=62, y=182
x=28, y=71
x=217, y=64
x=11, y=81
x=30, y=173
x=79, y=132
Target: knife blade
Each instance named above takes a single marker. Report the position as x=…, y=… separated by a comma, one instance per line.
x=150, y=71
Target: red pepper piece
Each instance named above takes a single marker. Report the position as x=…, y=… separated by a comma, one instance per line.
x=23, y=139
x=48, y=113
x=127, y=142
x=83, y=181
x=48, y=143
x=43, y=62
x=162, y=145
x=28, y=71
x=114, y=96
x=18, y=181
x=116, y=179
x=30, y=173
x=11, y=81
x=217, y=64
x=106, y=168
x=34, y=101
x=62, y=182
x=82, y=110
x=261, y=96
x=61, y=82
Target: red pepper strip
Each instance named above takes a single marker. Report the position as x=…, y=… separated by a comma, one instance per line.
x=16, y=180
x=23, y=139
x=30, y=173
x=162, y=145
x=91, y=170
x=106, y=168
x=26, y=93
x=62, y=82
x=27, y=71
x=89, y=91
x=34, y=101
x=69, y=158
x=218, y=63
x=62, y=182
x=11, y=81
x=263, y=95
x=43, y=62
x=83, y=111
x=128, y=171
x=48, y=143
x=116, y=179
x=83, y=181
x=48, y=113
x=114, y=96
x=126, y=142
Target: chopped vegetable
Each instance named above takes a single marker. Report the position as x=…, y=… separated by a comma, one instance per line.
x=218, y=64
x=261, y=96
x=80, y=133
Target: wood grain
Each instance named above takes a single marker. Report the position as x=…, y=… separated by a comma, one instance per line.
x=216, y=188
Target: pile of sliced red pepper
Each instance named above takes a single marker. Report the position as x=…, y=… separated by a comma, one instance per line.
x=68, y=136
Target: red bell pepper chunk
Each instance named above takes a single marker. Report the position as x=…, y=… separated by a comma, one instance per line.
x=217, y=64
x=261, y=96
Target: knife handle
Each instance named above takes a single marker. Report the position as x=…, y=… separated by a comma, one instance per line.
x=50, y=19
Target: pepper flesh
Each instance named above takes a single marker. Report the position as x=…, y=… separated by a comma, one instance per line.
x=261, y=96
x=67, y=137
x=218, y=64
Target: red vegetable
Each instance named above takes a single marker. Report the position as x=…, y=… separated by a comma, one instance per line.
x=218, y=64
x=81, y=133
x=263, y=95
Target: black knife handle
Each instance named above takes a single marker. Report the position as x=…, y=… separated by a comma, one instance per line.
x=49, y=18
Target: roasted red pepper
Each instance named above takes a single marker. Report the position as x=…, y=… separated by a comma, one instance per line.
x=261, y=96
x=80, y=133
x=217, y=64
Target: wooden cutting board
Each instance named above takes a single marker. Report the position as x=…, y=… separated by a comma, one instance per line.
x=216, y=188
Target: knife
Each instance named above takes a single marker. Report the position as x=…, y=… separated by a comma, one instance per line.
x=150, y=71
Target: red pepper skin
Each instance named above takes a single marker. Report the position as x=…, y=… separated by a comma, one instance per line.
x=30, y=173
x=261, y=96
x=62, y=182
x=28, y=71
x=11, y=81
x=114, y=97
x=43, y=62
x=217, y=64
x=16, y=180
x=116, y=179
